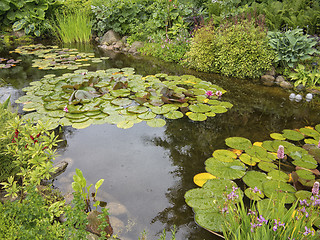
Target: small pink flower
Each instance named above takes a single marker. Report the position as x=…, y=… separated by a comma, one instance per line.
x=218, y=93
x=83, y=73
x=66, y=109
x=209, y=93
x=280, y=152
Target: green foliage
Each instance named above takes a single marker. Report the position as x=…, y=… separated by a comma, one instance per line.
x=32, y=151
x=305, y=77
x=72, y=26
x=268, y=220
x=27, y=15
x=138, y=17
x=287, y=14
x=292, y=47
x=7, y=167
x=28, y=219
x=239, y=50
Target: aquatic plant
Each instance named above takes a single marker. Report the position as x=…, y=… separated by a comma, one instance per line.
x=55, y=58
x=118, y=96
x=297, y=154
x=8, y=63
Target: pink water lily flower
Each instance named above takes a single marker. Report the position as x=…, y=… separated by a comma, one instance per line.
x=218, y=93
x=209, y=93
x=66, y=109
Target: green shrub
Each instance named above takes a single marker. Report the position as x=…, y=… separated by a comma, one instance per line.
x=27, y=15
x=292, y=47
x=305, y=77
x=238, y=50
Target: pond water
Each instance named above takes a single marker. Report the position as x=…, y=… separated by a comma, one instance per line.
x=148, y=170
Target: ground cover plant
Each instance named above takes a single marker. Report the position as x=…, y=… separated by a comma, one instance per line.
x=279, y=171
x=120, y=97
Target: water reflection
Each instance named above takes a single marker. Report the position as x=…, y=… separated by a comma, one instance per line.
x=146, y=170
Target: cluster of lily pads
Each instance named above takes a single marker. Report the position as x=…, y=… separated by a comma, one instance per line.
x=53, y=57
x=118, y=96
x=8, y=63
x=259, y=171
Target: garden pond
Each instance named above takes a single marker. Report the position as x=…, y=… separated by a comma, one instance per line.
x=148, y=167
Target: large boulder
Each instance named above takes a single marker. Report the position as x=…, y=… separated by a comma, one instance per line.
x=135, y=46
x=286, y=85
x=110, y=37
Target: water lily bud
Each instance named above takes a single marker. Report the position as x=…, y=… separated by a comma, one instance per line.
x=298, y=98
x=292, y=96
x=309, y=97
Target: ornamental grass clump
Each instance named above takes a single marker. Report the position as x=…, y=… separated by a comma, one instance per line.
x=270, y=219
x=237, y=49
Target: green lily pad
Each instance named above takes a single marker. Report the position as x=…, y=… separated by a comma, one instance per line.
x=197, y=116
x=219, y=186
x=200, y=108
x=303, y=194
x=82, y=125
x=278, y=175
x=277, y=136
x=218, y=109
x=254, y=195
x=210, y=220
x=292, y=135
x=121, y=101
x=125, y=124
x=247, y=159
x=310, y=132
x=228, y=170
x=255, y=179
x=267, y=166
x=311, y=141
x=173, y=115
x=156, y=122
x=238, y=143
x=137, y=109
x=147, y=115
x=279, y=190
x=306, y=175
x=224, y=155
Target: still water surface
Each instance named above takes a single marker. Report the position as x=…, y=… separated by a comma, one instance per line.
x=148, y=170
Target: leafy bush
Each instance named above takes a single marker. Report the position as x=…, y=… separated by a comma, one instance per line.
x=292, y=46
x=305, y=77
x=239, y=50
x=27, y=15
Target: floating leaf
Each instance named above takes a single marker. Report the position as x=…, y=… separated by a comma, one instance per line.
x=121, y=101
x=156, y=122
x=267, y=166
x=125, y=124
x=238, y=143
x=310, y=132
x=218, y=109
x=202, y=178
x=173, y=115
x=247, y=159
x=292, y=135
x=200, y=108
x=306, y=175
x=197, y=117
x=82, y=124
x=210, y=220
x=279, y=190
x=224, y=155
x=302, y=194
x=228, y=170
x=278, y=175
x=277, y=136
x=147, y=115
x=255, y=179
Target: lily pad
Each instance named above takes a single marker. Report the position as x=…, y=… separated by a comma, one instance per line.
x=173, y=115
x=267, y=166
x=310, y=132
x=305, y=174
x=202, y=178
x=210, y=220
x=228, y=170
x=125, y=124
x=254, y=195
x=224, y=155
x=255, y=179
x=200, y=108
x=247, y=159
x=279, y=190
x=278, y=175
x=238, y=143
x=292, y=135
x=277, y=136
x=156, y=122
x=197, y=116
x=303, y=194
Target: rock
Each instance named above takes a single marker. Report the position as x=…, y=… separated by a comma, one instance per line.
x=124, y=39
x=110, y=37
x=271, y=72
x=279, y=79
x=92, y=236
x=286, y=85
x=94, y=223
x=60, y=168
x=267, y=80
x=118, y=45
x=300, y=87
x=135, y=46
x=117, y=224
x=116, y=209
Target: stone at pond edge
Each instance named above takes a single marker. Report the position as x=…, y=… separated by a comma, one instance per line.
x=110, y=37
x=135, y=46
x=286, y=85
x=267, y=80
x=279, y=80
x=271, y=72
x=60, y=167
x=94, y=222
